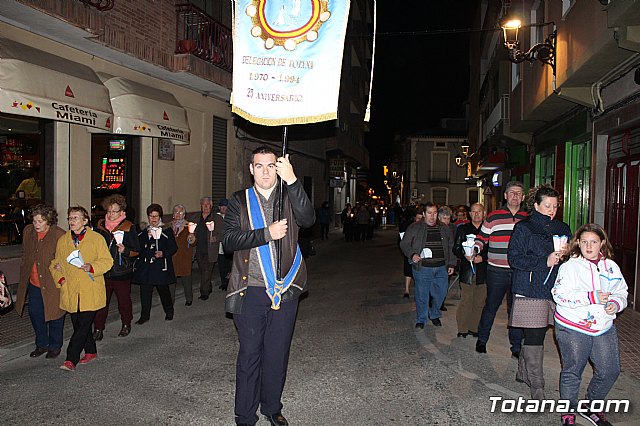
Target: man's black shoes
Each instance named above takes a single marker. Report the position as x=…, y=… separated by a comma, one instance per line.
x=481, y=348
x=436, y=322
x=203, y=297
x=419, y=326
x=277, y=420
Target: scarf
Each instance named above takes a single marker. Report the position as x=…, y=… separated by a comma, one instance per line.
x=78, y=237
x=112, y=224
x=177, y=226
x=275, y=286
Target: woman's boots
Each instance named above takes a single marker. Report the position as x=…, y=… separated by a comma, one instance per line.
x=521, y=375
x=533, y=356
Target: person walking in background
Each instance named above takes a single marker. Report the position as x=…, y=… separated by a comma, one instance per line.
x=82, y=258
x=410, y=217
x=462, y=215
x=348, y=226
x=473, y=289
x=590, y=291
x=264, y=312
x=154, y=266
x=429, y=246
x=118, y=278
x=534, y=257
x=324, y=219
x=208, y=244
x=224, y=259
x=496, y=232
x=444, y=218
x=36, y=282
x=362, y=220
x=183, y=257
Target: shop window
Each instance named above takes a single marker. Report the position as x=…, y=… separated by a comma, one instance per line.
x=473, y=196
x=545, y=164
x=111, y=172
x=22, y=166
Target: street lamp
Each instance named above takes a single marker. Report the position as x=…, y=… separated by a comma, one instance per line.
x=463, y=160
x=544, y=52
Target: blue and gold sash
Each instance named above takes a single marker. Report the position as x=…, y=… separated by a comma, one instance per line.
x=274, y=286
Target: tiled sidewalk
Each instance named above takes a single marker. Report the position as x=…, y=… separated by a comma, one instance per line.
x=628, y=324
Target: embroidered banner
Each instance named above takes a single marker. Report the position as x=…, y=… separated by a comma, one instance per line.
x=287, y=58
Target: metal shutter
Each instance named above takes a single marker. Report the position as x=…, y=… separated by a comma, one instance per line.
x=219, y=160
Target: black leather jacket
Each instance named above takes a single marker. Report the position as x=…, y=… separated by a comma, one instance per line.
x=240, y=239
x=465, y=267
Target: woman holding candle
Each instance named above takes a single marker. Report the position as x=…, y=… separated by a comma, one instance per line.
x=154, y=266
x=183, y=258
x=121, y=237
x=534, y=259
x=589, y=290
x=82, y=258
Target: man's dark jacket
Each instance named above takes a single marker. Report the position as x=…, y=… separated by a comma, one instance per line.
x=466, y=272
x=240, y=239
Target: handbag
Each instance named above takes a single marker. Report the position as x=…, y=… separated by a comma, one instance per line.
x=6, y=300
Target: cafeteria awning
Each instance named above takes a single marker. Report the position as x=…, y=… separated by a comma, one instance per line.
x=39, y=84
x=142, y=110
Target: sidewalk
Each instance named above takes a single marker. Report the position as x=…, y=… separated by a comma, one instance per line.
x=16, y=331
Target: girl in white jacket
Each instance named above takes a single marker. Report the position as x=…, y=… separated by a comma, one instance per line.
x=589, y=291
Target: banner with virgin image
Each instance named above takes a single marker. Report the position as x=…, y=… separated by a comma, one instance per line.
x=287, y=59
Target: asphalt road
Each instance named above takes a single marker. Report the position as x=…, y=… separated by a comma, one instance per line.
x=355, y=360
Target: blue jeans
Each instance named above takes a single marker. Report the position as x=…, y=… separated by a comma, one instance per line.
x=498, y=284
x=432, y=281
x=576, y=349
x=48, y=333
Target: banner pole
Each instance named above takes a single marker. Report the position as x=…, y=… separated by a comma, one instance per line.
x=280, y=201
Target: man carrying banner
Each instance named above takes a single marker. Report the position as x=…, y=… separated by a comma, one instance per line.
x=263, y=305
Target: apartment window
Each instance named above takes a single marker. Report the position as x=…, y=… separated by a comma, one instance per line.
x=515, y=76
x=439, y=196
x=440, y=166
x=566, y=6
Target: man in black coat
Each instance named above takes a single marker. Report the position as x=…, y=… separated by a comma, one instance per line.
x=264, y=306
x=473, y=280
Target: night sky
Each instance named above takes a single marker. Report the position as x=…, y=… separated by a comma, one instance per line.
x=418, y=78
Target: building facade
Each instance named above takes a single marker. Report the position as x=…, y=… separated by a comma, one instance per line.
x=573, y=123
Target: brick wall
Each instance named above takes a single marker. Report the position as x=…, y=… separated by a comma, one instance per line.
x=144, y=29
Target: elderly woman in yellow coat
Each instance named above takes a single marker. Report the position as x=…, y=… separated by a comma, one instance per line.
x=82, y=288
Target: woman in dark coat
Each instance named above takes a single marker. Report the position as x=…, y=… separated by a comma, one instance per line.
x=534, y=259
x=118, y=278
x=154, y=266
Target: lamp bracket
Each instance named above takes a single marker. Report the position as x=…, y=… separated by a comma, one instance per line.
x=544, y=52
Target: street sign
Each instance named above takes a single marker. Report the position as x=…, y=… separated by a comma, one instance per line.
x=336, y=168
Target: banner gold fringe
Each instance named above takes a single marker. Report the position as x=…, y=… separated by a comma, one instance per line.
x=284, y=121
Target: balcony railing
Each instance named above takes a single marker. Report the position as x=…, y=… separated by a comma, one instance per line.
x=499, y=114
x=200, y=35
x=101, y=5
x=440, y=176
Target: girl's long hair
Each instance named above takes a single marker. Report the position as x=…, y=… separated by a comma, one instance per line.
x=574, y=245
